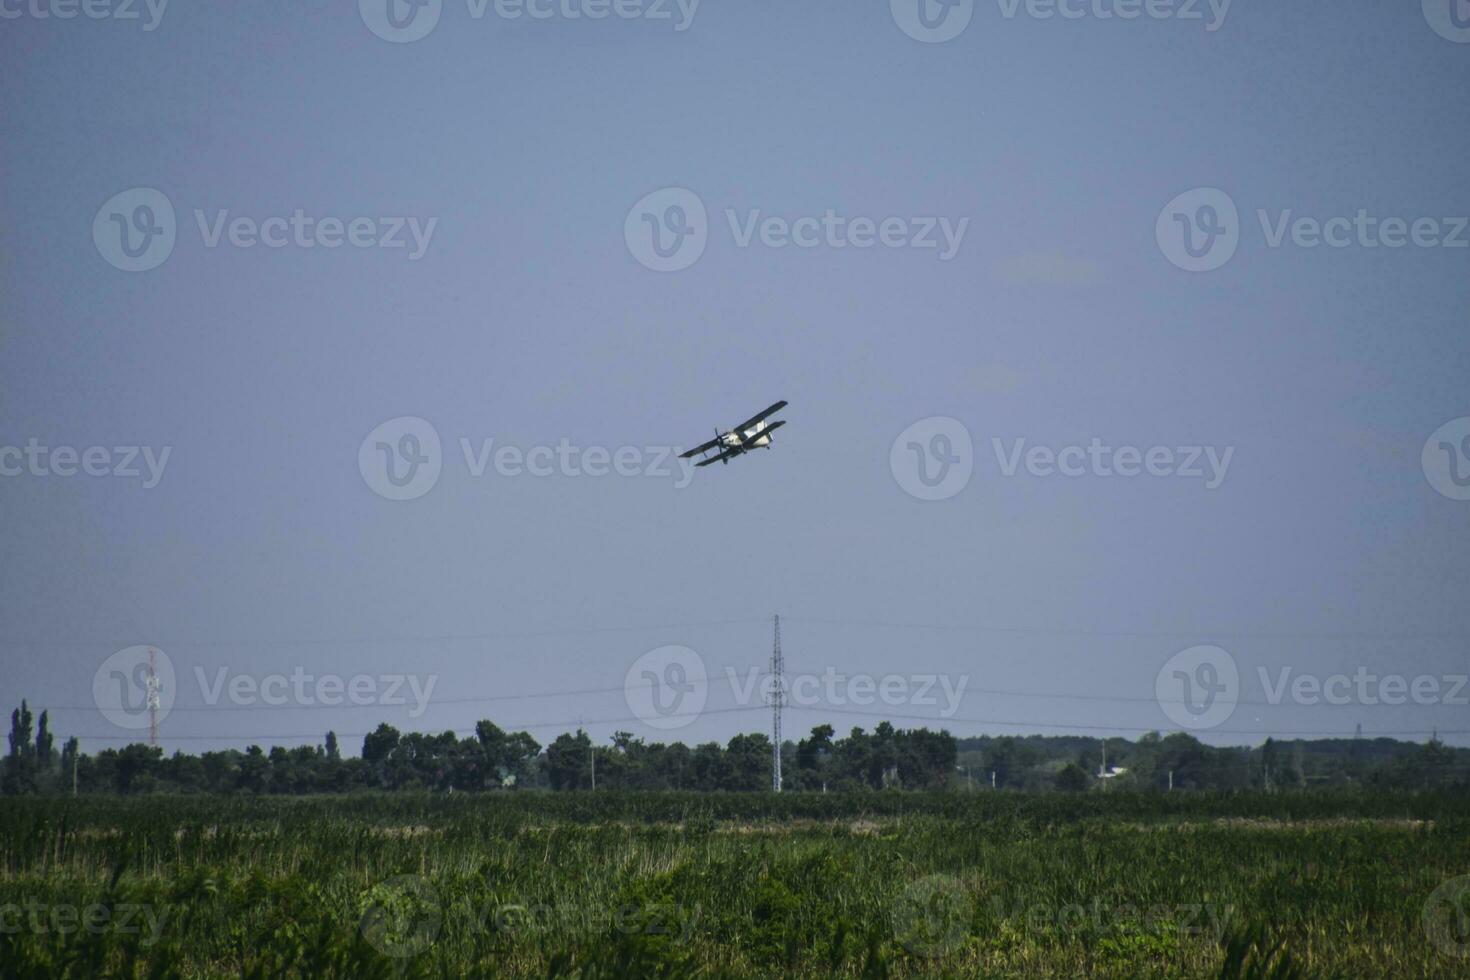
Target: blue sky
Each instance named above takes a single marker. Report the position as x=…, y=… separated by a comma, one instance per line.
x=528, y=320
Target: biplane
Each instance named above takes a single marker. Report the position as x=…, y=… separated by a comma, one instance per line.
x=753, y=433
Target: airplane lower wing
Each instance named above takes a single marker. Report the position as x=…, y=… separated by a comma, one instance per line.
x=727, y=454
x=700, y=449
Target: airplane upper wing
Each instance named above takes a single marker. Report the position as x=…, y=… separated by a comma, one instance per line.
x=752, y=437
x=700, y=449
x=761, y=417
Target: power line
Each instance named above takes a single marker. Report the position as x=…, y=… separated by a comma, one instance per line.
x=462, y=699
x=1197, y=634
x=461, y=732
x=731, y=675
x=381, y=640
x=887, y=715
x=573, y=692
x=384, y=640
x=1115, y=728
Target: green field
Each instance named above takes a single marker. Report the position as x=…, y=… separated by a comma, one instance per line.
x=882, y=884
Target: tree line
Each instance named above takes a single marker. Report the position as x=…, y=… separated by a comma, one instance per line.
x=887, y=758
x=490, y=760
x=1180, y=761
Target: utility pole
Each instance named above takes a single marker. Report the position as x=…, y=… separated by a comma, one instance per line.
x=74, y=757
x=1171, y=780
x=778, y=698
x=992, y=779
x=592, y=754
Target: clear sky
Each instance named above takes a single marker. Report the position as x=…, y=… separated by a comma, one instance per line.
x=1060, y=317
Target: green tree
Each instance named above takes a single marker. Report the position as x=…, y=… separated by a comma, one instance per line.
x=254, y=770
x=45, y=754
x=568, y=761
x=20, y=764
x=136, y=767
x=749, y=762
x=1005, y=762
x=1072, y=778
x=813, y=755
x=70, y=750
x=711, y=767
x=925, y=759
x=377, y=746
x=675, y=766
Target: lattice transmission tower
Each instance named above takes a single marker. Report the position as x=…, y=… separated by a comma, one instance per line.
x=778, y=699
x=153, y=698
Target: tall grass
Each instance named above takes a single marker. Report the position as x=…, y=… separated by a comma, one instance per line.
x=576, y=885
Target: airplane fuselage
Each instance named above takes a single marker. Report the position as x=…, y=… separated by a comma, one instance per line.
x=748, y=438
